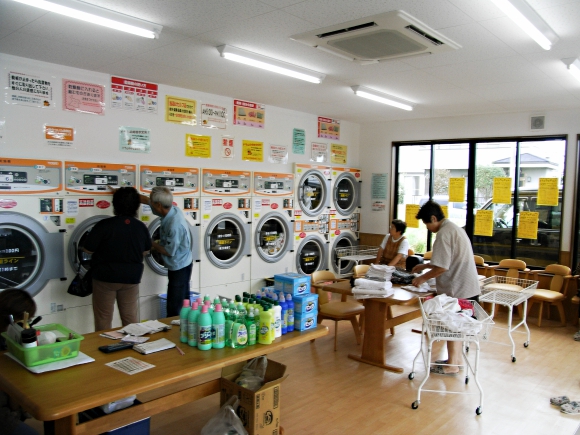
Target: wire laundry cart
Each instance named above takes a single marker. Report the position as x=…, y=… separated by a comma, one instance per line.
x=509, y=292
x=355, y=253
x=472, y=333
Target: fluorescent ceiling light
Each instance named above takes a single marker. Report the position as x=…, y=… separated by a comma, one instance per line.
x=573, y=66
x=521, y=13
x=267, y=63
x=96, y=15
x=381, y=97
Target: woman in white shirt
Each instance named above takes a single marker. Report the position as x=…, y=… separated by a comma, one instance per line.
x=394, y=248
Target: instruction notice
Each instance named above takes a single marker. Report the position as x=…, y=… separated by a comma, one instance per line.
x=298, y=141
x=379, y=186
x=502, y=191
x=134, y=139
x=134, y=95
x=548, y=192
x=411, y=211
x=483, y=223
x=528, y=225
x=197, y=145
x=338, y=153
x=457, y=189
x=29, y=90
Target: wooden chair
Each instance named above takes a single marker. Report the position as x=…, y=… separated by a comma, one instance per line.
x=360, y=270
x=552, y=288
x=481, y=266
x=427, y=255
x=339, y=310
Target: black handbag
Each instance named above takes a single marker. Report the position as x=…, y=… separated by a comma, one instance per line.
x=82, y=284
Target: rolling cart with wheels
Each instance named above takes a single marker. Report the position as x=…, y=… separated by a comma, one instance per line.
x=509, y=292
x=354, y=253
x=435, y=330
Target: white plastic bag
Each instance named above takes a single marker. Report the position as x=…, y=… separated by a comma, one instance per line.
x=225, y=422
x=253, y=373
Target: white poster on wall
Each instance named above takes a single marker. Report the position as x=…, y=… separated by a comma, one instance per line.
x=213, y=116
x=318, y=152
x=29, y=90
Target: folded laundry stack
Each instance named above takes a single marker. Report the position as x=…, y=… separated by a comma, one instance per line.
x=375, y=284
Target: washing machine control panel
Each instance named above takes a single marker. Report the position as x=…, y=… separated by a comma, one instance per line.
x=22, y=176
x=93, y=177
x=225, y=182
x=273, y=184
x=181, y=181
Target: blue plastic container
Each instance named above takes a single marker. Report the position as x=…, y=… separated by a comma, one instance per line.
x=193, y=296
x=305, y=304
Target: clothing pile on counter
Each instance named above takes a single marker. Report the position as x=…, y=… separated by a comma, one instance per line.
x=456, y=314
x=375, y=284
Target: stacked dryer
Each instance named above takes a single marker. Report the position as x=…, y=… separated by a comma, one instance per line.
x=184, y=184
x=311, y=244
x=32, y=231
x=225, y=228
x=272, y=226
x=88, y=200
x=344, y=215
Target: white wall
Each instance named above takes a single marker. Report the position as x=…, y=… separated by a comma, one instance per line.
x=376, y=157
x=96, y=140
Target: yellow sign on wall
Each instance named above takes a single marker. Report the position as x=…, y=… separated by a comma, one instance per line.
x=528, y=225
x=252, y=151
x=180, y=110
x=548, y=192
x=457, y=189
x=483, y=223
x=197, y=145
x=502, y=190
x=338, y=153
x=411, y=211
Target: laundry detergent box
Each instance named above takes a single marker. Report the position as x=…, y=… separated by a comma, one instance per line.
x=259, y=410
x=304, y=304
x=291, y=282
x=305, y=321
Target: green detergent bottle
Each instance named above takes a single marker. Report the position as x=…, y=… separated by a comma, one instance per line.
x=204, y=330
x=251, y=327
x=192, y=325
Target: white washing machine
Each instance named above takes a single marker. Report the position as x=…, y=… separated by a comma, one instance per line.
x=312, y=190
x=184, y=184
x=272, y=226
x=226, y=232
x=345, y=187
x=32, y=232
x=311, y=245
x=88, y=200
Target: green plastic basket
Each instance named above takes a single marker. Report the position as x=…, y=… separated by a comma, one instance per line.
x=47, y=353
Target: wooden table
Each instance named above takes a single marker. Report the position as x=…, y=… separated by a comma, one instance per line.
x=376, y=322
x=61, y=395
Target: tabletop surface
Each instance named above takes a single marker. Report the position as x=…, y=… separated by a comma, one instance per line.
x=53, y=395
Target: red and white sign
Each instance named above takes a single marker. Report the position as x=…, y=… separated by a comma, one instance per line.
x=274, y=206
x=217, y=202
x=228, y=205
x=8, y=203
x=83, y=97
x=102, y=204
x=135, y=95
x=86, y=202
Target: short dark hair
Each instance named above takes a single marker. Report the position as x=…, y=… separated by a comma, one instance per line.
x=126, y=201
x=15, y=301
x=400, y=226
x=430, y=208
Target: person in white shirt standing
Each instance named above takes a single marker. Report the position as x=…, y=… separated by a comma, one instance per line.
x=394, y=248
x=453, y=268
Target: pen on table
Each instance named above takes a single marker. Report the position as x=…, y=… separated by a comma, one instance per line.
x=179, y=350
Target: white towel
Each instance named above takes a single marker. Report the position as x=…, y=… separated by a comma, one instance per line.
x=440, y=304
x=362, y=290
x=371, y=284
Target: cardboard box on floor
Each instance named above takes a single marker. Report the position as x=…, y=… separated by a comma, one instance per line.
x=258, y=410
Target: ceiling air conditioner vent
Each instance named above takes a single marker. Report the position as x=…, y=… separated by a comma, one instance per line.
x=391, y=35
x=346, y=30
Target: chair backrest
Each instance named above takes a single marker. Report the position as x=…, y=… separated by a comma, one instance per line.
x=410, y=252
x=514, y=267
x=479, y=260
x=321, y=276
x=559, y=272
x=427, y=255
x=360, y=270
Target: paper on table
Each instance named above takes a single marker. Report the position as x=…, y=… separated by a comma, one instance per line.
x=130, y=365
x=148, y=327
x=81, y=358
x=154, y=346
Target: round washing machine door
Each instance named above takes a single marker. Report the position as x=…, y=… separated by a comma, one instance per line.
x=311, y=255
x=226, y=240
x=76, y=255
x=156, y=261
x=24, y=248
x=346, y=194
x=272, y=237
x=313, y=193
x=343, y=240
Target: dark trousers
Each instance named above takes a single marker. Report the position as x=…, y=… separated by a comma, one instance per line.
x=177, y=289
